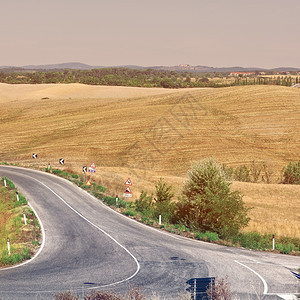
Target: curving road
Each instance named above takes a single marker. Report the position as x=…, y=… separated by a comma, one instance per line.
x=87, y=245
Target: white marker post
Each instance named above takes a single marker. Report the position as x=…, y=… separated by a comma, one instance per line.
x=4, y=182
x=117, y=199
x=273, y=242
x=17, y=194
x=8, y=246
x=159, y=219
x=24, y=216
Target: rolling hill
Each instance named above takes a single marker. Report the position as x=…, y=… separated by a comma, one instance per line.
x=150, y=133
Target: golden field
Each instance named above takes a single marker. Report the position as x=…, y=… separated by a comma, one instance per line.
x=150, y=133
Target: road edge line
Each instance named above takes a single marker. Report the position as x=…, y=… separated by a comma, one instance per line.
x=107, y=234
x=265, y=292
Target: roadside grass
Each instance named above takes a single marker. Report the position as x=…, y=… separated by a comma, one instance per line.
x=24, y=239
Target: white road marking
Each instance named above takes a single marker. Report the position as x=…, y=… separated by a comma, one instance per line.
x=261, y=278
x=107, y=234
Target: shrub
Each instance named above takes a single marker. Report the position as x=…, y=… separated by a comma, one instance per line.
x=208, y=204
x=180, y=227
x=255, y=170
x=66, y=296
x=145, y=204
x=228, y=171
x=129, y=213
x=292, y=173
x=242, y=173
x=98, y=195
x=101, y=188
x=110, y=200
x=219, y=290
x=57, y=172
x=123, y=204
x=14, y=258
x=253, y=240
x=207, y=236
x=285, y=248
x=163, y=204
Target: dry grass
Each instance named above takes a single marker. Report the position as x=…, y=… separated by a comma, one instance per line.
x=275, y=208
x=145, y=134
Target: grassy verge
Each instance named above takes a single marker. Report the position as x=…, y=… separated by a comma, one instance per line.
x=24, y=239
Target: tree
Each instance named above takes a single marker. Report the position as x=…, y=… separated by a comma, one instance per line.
x=267, y=171
x=255, y=169
x=164, y=204
x=291, y=174
x=145, y=204
x=242, y=173
x=208, y=204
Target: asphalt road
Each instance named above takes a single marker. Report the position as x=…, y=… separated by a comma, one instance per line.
x=87, y=245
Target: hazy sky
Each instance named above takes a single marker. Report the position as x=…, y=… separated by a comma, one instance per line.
x=219, y=33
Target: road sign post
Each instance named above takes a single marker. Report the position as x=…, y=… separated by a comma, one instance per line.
x=84, y=170
x=127, y=193
x=34, y=156
x=92, y=169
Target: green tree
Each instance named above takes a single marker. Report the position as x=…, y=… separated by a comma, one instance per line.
x=164, y=204
x=291, y=173
x=145, y=204
x=208, y=203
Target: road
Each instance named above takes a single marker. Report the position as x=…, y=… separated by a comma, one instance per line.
x=88, y=245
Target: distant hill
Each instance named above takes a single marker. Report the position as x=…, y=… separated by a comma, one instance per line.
x=178, y=68
x=71, y=65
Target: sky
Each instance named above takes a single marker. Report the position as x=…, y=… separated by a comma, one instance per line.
x=217, y=33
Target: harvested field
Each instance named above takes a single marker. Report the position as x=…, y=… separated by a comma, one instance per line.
x=150, y=133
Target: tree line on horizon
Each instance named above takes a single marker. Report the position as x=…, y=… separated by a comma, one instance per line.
x=137, y=78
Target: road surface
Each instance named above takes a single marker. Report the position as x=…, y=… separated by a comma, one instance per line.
x=88, y=245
